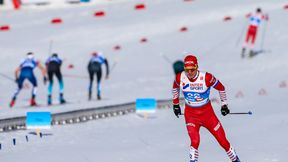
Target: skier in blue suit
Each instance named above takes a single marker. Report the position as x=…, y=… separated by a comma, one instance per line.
x=94, y=67
x=26, y=72
x=53, y=66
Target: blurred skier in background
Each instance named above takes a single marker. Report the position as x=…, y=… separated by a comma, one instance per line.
x=53, y=66
x=26, y=72
x=94, y=67
x=196, y=86
x=255, y=20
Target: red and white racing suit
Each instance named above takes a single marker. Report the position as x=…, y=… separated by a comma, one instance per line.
x=199, y=111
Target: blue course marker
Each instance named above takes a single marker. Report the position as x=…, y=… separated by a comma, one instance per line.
x=38, y=120
x=145, y=105
x=14, y=141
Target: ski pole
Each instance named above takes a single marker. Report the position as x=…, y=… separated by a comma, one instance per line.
x=241, y=33
x=50, y=47
x=7, y=77
x=263, y=35
x=75, y=76
x=113, y=66
x=237, y=113
x=241, y=113
x=165, y=58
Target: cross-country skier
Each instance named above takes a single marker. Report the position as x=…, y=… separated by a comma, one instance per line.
x=53, y=66
x=196, y=86
x=26, y=72
x=94, y=67
x=255, y=20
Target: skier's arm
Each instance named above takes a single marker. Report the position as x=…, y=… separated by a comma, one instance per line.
x=17, y=72
x=47, y=62
x=265, y=17
x=176, y=89
x=107, y=68
x=43, y=70
x=211, y=81
x=248, y=15
x=60, y=62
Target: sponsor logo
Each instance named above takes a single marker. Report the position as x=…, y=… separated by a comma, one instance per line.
x=189, y=62
x=196, y=86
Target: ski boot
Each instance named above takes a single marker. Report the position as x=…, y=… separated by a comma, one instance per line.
x=251, y=53
x=12, y=103
x=49, y=102
x=243, y=52
x=237, y=160
x=90, y=95
x=62, y=100
x=232, y=155
x=98, y=97
x=33, y=102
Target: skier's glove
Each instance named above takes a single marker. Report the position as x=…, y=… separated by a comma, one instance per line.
x=177, y=110
x=224, y=110
x=44, y=80
x=16, y=80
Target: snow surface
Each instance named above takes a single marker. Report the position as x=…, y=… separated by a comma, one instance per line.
x=141, y=71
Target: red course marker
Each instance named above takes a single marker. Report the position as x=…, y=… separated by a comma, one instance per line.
x=117, y=47
x=99, y=13
x=5, y=28
x=70, y=66
x=140, y=7
x=183, y=29
x=56, y=21
x=143, y=40
x=227, y=18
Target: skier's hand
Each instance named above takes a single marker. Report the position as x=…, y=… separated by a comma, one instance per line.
x=224, y=110
x=44, y=80
x=16, y=80
x=177, y=110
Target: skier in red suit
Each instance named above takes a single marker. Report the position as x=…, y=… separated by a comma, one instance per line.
x=196, y=86
x=255, y=20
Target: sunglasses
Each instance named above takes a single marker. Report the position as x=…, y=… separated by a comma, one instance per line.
x=191, y=68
